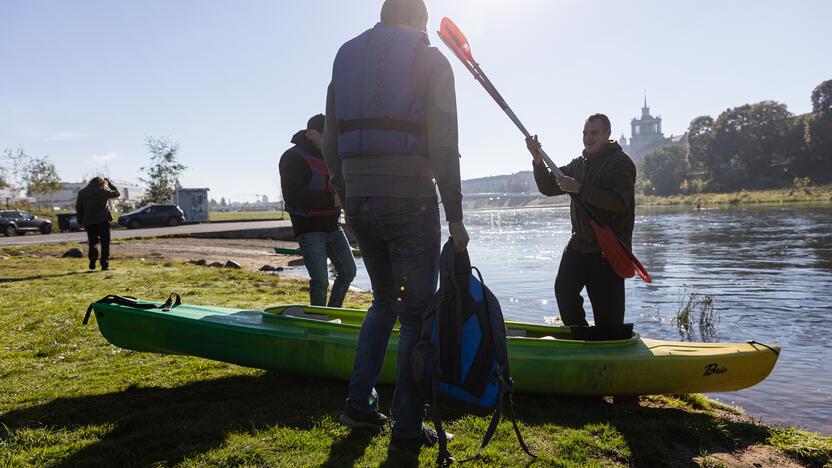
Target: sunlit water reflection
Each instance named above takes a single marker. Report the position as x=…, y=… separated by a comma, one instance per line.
x=770, y=270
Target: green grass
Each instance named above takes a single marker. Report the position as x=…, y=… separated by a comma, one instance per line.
x=70, y=398
x=817, y=194
x=241, y=215
x=806, y=446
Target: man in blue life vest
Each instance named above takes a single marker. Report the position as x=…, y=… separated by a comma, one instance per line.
x=315, y=211
x=391, y=129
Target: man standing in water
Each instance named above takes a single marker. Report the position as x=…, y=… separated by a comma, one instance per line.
x=315, y=211
x=604, y=179
x=391, y=128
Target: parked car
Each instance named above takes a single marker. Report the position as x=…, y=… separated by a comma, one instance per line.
x=153, y=215
x=14, y=222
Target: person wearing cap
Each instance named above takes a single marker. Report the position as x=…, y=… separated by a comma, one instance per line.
x=391, y=131
x=315, y=210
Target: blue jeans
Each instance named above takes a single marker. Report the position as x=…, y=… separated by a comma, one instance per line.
x=399, y=240
x=316, y=248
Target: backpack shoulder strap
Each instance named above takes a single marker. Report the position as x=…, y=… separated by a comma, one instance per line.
x=489, y=433
x=516, y=427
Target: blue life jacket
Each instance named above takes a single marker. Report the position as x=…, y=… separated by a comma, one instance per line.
x=379, y=110
x=319, y=182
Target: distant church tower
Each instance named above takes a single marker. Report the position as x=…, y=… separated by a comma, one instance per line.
x=646, y=134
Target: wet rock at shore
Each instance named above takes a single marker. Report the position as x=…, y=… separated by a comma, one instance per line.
x=74, y=252
x=215, y=265
x=198, y=262
x=266, y=268
x=232, y=264
x=296, y=262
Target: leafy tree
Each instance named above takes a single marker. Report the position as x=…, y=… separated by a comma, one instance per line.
x=818, y=132
x=664, y=169
x=14, y=163
x=700, y=146
x=124, y=206
x=223, y=202
x=749, y=143
x=21, y=171
x=796, y=158
x=41, y=177
x=163, y=173
x=822, y=99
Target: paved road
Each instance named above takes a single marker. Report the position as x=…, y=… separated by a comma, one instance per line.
x=30, y=238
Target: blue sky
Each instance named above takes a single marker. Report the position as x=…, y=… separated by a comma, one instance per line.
x=85, y=82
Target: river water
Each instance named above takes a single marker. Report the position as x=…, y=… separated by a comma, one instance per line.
x=769, y=270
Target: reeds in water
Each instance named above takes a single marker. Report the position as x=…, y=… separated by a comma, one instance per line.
x=696, y=313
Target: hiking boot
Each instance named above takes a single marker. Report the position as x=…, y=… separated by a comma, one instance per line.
x=104, y=266
x=93, y=257
x=357, y=419
x=413, y=445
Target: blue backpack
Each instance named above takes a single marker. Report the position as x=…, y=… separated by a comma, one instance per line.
x=461, y=360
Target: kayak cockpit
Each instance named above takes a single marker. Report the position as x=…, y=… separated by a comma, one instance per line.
x=611, y=333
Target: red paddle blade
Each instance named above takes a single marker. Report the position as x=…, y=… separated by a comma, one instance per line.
x=622, y=261
x=457, y=41
x=640, y=270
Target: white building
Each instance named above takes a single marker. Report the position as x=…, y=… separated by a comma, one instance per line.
x=66, y=196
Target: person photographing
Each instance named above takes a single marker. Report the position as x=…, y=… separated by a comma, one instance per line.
x=93, y=210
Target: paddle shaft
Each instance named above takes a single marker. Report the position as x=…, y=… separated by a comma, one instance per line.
x=622, y=260
x=486, y=83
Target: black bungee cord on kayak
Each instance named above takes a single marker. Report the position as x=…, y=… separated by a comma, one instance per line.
x=173, y=300
x=752, y=343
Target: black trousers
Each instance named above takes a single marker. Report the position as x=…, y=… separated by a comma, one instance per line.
x=99, y=234
x=604, y=287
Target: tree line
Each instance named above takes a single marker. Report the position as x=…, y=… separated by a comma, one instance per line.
x=754, y=146
x=19, y=171
x=38, y=175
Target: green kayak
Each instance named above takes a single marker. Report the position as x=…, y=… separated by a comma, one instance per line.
x=544, y=360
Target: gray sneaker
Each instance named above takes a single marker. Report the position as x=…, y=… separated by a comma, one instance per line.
x=357, y=419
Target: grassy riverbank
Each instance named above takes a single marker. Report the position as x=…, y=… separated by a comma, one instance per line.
x=819, y=194
x=245, y=215
x=71, y=398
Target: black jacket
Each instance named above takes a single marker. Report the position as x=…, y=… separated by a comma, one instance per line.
x=92, y=207
x=294, y=175
x=607, y=187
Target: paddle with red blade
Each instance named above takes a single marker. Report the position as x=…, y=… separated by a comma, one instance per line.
x=621, y=259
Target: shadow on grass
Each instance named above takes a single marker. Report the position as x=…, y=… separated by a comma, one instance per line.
x=39, y=277
x=655, y=436
x=345, y=451
x=167, y=425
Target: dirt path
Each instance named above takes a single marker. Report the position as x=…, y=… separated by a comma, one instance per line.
x=251, y=254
